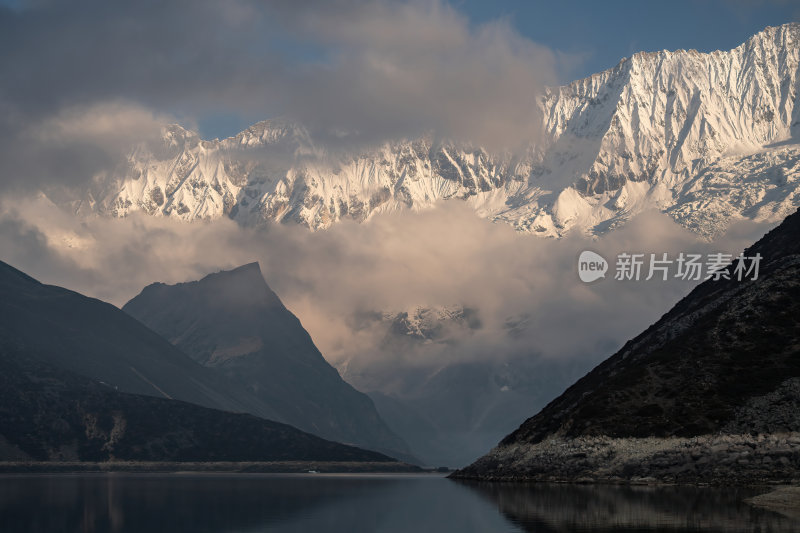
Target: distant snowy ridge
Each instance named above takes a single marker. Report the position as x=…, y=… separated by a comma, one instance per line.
x=706, y=138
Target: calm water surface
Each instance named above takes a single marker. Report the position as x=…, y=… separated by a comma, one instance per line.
x=353, y=503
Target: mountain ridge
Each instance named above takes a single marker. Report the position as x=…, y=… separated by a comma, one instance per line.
x=128, y=356
x=710, y=392
x=707, y=138
x=48, y=414
x=82, y=381
x=234, y=324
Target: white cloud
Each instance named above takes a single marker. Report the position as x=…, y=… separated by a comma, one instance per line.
x=404, y=68
x=70, y=148
x=440, y=257
x=117, y=125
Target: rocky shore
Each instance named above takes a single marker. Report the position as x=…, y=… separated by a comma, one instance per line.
x=783, y=500
x=714, y=459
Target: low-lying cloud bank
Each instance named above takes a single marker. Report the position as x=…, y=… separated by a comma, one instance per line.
x=396, y=261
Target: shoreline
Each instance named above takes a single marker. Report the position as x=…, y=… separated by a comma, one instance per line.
x=271, y=467
x=784, y=500
x=721, y=459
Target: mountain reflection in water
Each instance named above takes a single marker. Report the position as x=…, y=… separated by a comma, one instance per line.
x=217, y=503
x=565, y=507
x=227, y=503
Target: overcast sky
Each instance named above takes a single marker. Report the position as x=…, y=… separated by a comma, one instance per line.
x=381, y=67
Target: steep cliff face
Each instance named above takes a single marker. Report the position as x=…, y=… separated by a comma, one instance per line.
x=705, y=137
x=233, y=323
x=710, y=391
x=667, y=112
x=81, y=380
x=96, y=340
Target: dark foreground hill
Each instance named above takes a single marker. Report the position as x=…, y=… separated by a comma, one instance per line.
x=96, y=340
x=235, y=325
x=69, y=368
x=710, y=392
x=48, y=414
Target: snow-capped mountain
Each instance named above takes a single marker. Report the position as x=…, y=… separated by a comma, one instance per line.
x=430, y=324
x=707, y=138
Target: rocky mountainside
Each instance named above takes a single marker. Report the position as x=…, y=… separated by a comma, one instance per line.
x=709, y=392
x=234, y=324
x=707, y=138
x=68, y=366
x=48, y=414
x=96, y=340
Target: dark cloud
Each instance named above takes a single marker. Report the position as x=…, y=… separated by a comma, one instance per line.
x=59, y=54
x=72, y=147
x=352, y=72
x=83, y=81
x=403, y=68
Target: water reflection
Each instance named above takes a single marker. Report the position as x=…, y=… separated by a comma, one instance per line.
x=118, y=503
x=576, y=508
x=218, y=503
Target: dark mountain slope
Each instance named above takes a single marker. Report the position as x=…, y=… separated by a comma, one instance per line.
x=725, y=361
x=47, y=413
x=235, y=324
x=94, y=339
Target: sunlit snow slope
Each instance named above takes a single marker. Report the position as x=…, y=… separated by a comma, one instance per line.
x=707, y=138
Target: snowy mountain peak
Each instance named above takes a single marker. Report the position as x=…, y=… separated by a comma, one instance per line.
x=705, y=137
x=431, y=324
x=271, y=133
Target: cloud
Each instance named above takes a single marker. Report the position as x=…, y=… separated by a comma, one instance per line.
x=69, y=149
x=158, y=54
x=118, y=124
x=446, y=256
x=404, y=68
x=84, y=81
x=76, y=145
